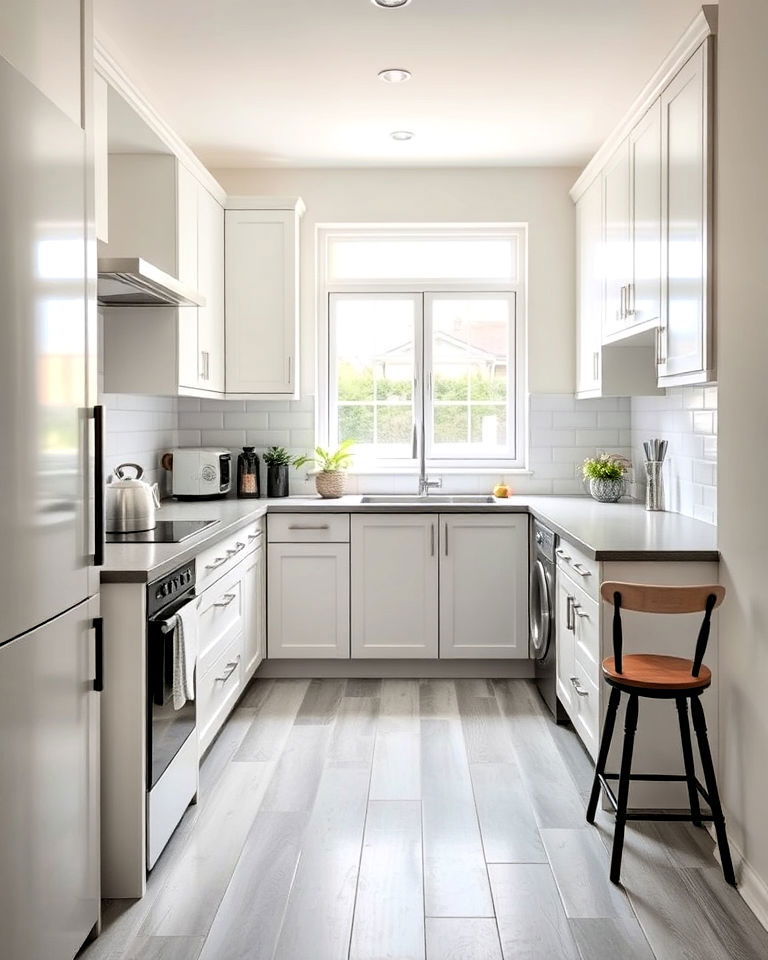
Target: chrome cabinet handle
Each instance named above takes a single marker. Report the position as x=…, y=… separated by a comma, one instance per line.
x=662, y=354
x=596, y=365
x=309, y=526
x=579, y=568
x=578, y=688
x=432, y=540
x=216, y=563
x=237, y=548
x=576, y=607
x=570, y=623
x=562, y=554
x=229, y=670
x=254, y=536
x=630, y=300
x=290, y=368
x=226, y=600
x=445, y=531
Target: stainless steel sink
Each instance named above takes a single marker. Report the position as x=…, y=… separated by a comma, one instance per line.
x=415, y=500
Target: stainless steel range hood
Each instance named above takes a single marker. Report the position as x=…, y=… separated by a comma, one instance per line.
x=133, y=282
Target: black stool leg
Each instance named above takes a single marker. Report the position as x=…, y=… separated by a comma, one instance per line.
x=690, y=769
x=605, y=746
x=630, y=726
x=700, y=726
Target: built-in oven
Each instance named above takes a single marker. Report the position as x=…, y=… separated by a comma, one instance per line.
x=172, y=756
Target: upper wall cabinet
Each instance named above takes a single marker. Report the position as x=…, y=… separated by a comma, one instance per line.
x=262, y=296
x=47, y=41
x=686, y=347
x=644, y=245
x=158, y=211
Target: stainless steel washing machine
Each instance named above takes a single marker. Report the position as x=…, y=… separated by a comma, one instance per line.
x=541, y=613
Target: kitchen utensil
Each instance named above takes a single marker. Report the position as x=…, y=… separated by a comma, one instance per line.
x=131, y=501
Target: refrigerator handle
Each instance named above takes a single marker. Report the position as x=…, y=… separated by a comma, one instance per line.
x=98, y=483
x=98, y=629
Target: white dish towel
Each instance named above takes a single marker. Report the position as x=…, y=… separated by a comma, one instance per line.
x=184, y=654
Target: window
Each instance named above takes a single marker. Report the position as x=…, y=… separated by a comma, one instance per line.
x=423, y=344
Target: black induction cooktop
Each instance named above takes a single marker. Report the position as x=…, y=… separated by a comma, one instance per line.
x=166, y=531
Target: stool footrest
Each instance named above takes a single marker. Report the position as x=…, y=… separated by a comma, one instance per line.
x=661, y=778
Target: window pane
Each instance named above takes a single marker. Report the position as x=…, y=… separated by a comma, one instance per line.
x=426, y=258
x=374, y=361
x=471, y=339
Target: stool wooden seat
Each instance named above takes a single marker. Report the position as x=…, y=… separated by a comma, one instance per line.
x=657, y=676
x=654, y=672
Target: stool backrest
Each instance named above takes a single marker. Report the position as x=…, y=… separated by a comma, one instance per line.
x=649, y=598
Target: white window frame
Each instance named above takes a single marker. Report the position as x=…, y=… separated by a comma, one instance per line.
x=325, y=406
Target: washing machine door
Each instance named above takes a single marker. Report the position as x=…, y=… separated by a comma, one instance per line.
x=539, y=611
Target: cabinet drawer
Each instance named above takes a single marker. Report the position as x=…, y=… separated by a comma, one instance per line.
x=217, y=691
x=581, y=569
x=586, y=702
x=308, y=528
x=212, y=563
x=221, y=615
x=586, y=614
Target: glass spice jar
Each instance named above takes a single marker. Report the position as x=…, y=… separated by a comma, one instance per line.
x=248, y=473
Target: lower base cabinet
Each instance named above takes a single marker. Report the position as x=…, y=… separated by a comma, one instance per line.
x=394, y=585
x=483, y=586
x=308, y=600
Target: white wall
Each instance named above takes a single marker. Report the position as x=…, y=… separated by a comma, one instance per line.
x=686, y=417
x=538, y=196
x=742, y=285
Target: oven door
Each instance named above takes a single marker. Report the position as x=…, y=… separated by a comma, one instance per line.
x=540, y=610
x=167, y=729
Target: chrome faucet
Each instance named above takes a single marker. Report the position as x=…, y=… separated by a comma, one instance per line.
x=425, y=484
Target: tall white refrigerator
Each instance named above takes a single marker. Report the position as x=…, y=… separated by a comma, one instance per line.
x=50, y=534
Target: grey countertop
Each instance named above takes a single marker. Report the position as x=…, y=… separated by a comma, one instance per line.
x=604, y=531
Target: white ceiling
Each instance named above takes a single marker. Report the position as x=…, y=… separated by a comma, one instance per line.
x=293, y=82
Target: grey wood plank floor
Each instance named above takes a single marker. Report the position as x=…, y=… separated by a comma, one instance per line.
x=416, y=820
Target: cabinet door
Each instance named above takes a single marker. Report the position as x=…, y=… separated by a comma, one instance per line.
x=483, y=586
x=43, y=39
x=565, y=645
x=308, y=605
x=591, y=280
x=49, y=788
x=254, y=592
x=645, y=156
x=394, y=586
x=210, y=282
x=686, y=229
x=618, y=256
x=261, y=301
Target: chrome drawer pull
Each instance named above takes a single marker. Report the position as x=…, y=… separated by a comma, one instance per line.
x=562, y=554
x=237, y=548
x=229, y=670
x=578, y=688
x=254, y=536
x=216, y=563
x=579, y=568
x=309, y=526
x=225, y=602
x=576, y=607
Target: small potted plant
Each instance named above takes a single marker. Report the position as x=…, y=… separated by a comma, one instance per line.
x=330, y=476
x=605, y=474
x=278, y=461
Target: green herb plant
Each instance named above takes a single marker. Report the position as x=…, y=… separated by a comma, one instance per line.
x=279, y=457
x=608, y=466
x=328, y=461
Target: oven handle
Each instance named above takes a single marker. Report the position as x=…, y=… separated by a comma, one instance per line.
x=163, y=620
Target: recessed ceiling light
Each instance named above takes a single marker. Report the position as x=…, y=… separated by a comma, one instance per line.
x=394, y=75
x=391, y=3
x=401, y=135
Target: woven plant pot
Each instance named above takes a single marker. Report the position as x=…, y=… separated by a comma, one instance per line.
x=330, y=483
x=606, y=491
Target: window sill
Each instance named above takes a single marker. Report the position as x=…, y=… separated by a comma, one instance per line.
x=441, y=471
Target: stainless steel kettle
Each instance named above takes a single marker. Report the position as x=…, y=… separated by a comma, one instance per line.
x=131, y=501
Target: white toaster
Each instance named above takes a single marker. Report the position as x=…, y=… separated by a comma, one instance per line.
x=199, y=473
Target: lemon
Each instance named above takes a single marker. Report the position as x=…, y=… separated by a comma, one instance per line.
x=501, y=491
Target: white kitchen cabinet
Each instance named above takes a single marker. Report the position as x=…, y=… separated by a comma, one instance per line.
x=483, y=586
x=160, y=212
x=591, y=282
x=617, y=238
x=686, y=135
x=210, y=283
x=395, y=585
x=645, y=219
x=254, y=593
x=46, y=40
x=262, y=298
x=308, y=600
x=566, y=646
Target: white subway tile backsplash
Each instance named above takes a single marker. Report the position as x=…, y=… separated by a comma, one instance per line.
x=201, y=420
x=240, y=420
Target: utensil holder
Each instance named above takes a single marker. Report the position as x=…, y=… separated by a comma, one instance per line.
x=654, y=487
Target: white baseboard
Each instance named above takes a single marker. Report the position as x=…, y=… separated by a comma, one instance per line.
x=751, y=886
x=485, y=669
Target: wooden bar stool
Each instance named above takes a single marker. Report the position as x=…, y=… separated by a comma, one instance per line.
x=659, y=677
